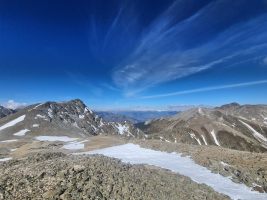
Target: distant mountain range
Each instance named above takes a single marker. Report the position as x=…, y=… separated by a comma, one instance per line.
x=134, y=116
x=231, y=126
x=234, y=126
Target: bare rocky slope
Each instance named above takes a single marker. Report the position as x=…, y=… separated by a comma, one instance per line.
x=72, y=118
x=231, y=126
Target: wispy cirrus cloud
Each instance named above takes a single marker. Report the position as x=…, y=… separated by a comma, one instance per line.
x=175, y=48
x=206, y=89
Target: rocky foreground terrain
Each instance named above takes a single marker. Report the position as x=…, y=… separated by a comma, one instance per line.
x=38, y=143
x=60, y=176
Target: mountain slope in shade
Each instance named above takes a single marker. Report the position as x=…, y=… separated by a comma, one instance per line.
x=5, y=111
x=70, y=118
x=218, y=126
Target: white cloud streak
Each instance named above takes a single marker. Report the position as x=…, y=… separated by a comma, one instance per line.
x=206, y=89
x=160, y=55
x=11, y=104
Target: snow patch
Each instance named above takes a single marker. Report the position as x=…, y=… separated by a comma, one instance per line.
x=124, y=129
x=134, y=154
x=13, y=122
x=81, y=116
x=225, y=164
x=5, y=159
x=215, y=138
x=256, y=134
x=21, y=132
x=8, y=141
x=88, y=110
x=55, y=138
x=50, y=113
x=35, y=125
x=75, y=145
x=12, y=150
x=193, y=136
x=204, y=139
x=41, y=117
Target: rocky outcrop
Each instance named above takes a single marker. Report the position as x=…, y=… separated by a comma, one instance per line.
x=5, y=111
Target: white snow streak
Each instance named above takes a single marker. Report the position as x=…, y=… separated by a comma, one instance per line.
x=75, y=145
x=5, y=159
x=204, y=139
x=13, y=122
x=55, y=138
x=21, y=132
x=214, y=137
x=256, y=134
x=8, y=141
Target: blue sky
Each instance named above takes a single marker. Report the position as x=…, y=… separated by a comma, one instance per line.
x=126, y=54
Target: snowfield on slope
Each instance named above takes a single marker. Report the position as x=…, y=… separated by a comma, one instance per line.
x=134, y=154
x=55, y=138
x=255, y=133
x=13, y=122
x=21, y=132
x=74, y=145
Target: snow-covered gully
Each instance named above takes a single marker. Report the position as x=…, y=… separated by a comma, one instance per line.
x=134, y=154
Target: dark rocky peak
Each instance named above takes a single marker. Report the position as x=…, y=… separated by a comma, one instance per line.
x=5, y=111
x=230, y=105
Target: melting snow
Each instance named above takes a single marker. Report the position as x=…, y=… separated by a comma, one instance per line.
x=81, y=116
x=134, y=154
x=55, y=138
x=88, y=110
x=204, y=139
x=255, y=133
x=193, y=136
x=13, y=122
x=224, y=164
x=123, y=129
x=214, y=137
x=8, y=141
x=21, y=132
x=12, y=150
x=35, y=125
x=74, y=145
x=50, y=113
x=41, y=116
x=5, y=159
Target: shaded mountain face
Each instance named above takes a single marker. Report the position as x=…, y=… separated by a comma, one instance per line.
x=235, y=127
x=5, y=111
x=71, y=119
x=134, y=116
